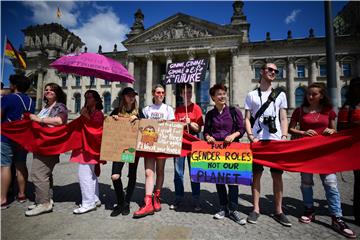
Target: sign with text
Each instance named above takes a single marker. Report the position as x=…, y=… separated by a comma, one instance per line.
x=160, y=136
x=119, y=138
x=221, y=164
x=186, y=72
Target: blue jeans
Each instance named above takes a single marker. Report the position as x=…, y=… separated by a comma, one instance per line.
x=179, y=167
x=12, y=152
x=329, y=182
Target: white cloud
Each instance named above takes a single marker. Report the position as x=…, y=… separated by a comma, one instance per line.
x=46, y=12
x=102, y=29
x=292, y=17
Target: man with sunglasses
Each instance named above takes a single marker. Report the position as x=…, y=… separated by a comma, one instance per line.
x=271, y=125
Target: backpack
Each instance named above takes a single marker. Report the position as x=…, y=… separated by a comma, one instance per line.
x=26, y=109
x=235, y=127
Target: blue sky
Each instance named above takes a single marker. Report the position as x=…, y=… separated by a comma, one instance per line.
x=107, y=23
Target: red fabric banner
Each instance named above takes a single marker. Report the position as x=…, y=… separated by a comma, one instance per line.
x=320, y=154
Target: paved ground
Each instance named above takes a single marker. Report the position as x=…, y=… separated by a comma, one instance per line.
x=167, y=224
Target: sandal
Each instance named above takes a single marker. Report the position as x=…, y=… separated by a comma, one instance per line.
x=308, y=216
x=340, y=226
x=21, y=199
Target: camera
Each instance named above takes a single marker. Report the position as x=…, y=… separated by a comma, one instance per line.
x=270, y=122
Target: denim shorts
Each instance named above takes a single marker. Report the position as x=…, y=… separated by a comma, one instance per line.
x=11, y=151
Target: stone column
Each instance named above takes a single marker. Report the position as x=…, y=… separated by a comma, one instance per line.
x=234, y=99
x=338, y=82
x=113, y=93
x=290, y=83
x=212, y=54
x=69, y=92
x=313, y=70
x=169, y=93
x=191, y=55
x=149, y=79
x=131, y=68
x=39, y=91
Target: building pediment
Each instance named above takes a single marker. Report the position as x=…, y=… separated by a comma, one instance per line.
x=181, y=27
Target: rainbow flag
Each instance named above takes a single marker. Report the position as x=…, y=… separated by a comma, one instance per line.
x=10, y=51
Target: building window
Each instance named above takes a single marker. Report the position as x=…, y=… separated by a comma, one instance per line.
x=107, y=102
x=77, y=81
x=92, y=81
x=63, y=81
x=280, y=74
x=301, y=71
x=346, y=69
x=257, y=72
x=299, y=96
x=343, y=92
x=77, y=97
x=323, y=71
x=107, y=82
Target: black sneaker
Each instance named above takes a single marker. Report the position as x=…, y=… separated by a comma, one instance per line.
x=235, y=216
x=126, y=210
x=340, y=226
x=176, y=205
x=281, y=218
x=223, y=212
x=116, y=211
x=253, y=217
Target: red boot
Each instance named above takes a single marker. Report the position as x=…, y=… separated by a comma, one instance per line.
x=157, y=204
x=148, y=209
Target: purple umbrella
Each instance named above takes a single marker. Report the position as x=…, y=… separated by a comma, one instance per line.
x=95, y=65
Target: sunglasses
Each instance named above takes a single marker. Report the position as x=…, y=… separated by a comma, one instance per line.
x=159, y=93
x=272, y=70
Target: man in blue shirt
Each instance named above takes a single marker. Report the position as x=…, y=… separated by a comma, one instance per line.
x=13, y=106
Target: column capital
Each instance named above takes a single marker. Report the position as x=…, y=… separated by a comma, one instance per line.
x=269, y=60
x=130, y=58
x=191, y=53
x=149, y=56
x=212, y=52
x=291, y=60
x=313, y=58
x=234, y=51
x=169, y=55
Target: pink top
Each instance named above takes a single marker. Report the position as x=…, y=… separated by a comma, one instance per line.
x=79, y=155
x=315, y=121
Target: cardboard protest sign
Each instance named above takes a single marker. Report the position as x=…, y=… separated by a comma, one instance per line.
x=119, y=138
x=217, y=163
x=186, y=72
x=160, y=137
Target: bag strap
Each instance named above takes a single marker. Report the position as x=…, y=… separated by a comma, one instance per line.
x=234, y=119
x=272, y=97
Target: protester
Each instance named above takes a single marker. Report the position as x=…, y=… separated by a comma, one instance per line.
x=316, y=117
x=192, y=117
x=12, y=108
x=88, y=180
x=224, y=123
x=160, y=111
x=272, y=124
x=349, y=117
x=127, y=108
x=54, y=113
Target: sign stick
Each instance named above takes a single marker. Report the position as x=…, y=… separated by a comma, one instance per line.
x=186, y=110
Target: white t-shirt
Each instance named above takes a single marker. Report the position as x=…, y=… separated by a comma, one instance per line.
x=253, y=104
x=162, y=111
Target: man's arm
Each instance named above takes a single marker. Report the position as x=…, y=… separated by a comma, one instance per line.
x=283, y=123
x=248, y=127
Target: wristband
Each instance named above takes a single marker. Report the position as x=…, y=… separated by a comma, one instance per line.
x=283, y=136
x=42, y=120
x=250, y=134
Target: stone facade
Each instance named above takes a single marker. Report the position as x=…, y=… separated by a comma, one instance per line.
x=233, y=59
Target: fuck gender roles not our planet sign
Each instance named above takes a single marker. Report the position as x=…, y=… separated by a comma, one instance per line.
x=221, y=164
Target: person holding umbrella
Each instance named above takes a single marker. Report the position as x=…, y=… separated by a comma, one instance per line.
x=158, y=110
x=54, y=113
x=88, y=180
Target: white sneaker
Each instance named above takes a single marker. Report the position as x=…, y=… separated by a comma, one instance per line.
x=31, y=207
x=98, y=203
x=39, y=209
x=82, y=209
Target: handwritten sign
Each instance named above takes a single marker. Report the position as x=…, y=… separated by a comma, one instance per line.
x=186, y=72
x=119, y=140
x=217, y=163
x=160, y=137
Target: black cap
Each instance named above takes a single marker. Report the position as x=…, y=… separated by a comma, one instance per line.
x=128, y=90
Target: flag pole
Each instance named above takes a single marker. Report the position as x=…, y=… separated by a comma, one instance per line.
x=3, y=60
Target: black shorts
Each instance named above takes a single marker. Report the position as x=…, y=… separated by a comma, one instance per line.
x=260, y=168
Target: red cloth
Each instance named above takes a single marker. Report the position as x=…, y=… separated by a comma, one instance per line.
x=319, y=154
x=194, y=113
